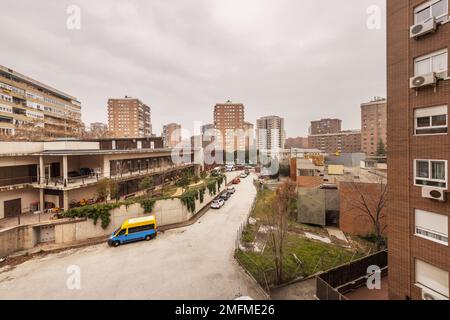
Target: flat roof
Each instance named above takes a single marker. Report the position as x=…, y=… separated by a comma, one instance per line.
x=96, y=152
x=31, y=81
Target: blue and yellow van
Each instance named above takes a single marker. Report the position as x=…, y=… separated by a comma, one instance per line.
x=134, y=230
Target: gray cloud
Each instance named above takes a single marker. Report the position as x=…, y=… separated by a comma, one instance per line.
x=301, y=59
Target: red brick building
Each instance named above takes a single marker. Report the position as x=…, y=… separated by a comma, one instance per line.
x=354, y=220
x=419, y=148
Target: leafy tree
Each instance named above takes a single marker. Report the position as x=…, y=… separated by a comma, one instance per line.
x=146, y=183
x=102, y=191
x=114, y=190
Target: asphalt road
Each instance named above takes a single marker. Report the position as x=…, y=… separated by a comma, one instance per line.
x=194, y=262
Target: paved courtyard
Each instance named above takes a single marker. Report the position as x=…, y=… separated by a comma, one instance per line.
x=195, y=262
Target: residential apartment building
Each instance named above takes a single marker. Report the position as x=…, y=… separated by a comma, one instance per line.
x=249, y=130
x=418, y=41
x=38, y=176
x=229, y=123
x=325, y=126
x=270, y=133
x=31, y=109
x=341, y=142
x=374, y=126
x=129, y=117
x=171, y=135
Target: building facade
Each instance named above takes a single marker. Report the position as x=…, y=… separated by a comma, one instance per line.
x=418, y=97
x=171, y=135
x=229, y=123
x=270, y=133
x=342, y=142
x=30, y=109
x=39, y=176
x=129, y=117
x=374, y=127
x=325, y=126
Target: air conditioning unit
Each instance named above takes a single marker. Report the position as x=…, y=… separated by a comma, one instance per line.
x=434, y=193
x=423, y=80
x=423, y=28
x=431, y=295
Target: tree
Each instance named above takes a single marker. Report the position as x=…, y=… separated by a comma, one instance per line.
x=114, y=190
x=146, y=183
x=277, y=218
x=371, y=205
x=381, y=149
x=102, y=191
x=184, y=181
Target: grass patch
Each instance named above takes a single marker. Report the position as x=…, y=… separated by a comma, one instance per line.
x=315, y=256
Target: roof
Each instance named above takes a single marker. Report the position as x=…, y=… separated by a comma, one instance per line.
x=305, y=164
x=96, y=152
x=36, y=83
x=140, y=220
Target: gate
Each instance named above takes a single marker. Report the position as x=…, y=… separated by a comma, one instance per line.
x=13, y=208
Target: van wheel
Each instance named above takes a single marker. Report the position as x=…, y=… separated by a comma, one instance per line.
x=148, y=238
x=116, y=243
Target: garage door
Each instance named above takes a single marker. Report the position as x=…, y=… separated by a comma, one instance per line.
x=47, y=234
x=13, y=208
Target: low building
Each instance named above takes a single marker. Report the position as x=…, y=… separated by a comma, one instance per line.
x=35, y=176
x=357, y=201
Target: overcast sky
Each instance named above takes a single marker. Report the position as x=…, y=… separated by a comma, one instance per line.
x=299, y=59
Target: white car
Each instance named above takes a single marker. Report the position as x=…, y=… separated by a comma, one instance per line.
x=231, y=190
x=217, y=204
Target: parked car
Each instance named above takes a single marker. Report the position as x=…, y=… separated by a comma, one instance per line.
x=134, y=230
x=243, y=176
x=217, y=204
x=236, y=181
x=225, y=195
x=247, y=172
x=231, y=190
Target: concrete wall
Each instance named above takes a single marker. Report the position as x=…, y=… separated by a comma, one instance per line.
x=20, y=147
x=17, y=238
x=71, y=145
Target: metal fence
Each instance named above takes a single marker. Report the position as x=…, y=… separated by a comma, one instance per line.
x=330, y=284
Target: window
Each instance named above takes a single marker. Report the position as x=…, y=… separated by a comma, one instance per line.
x=436, y=8
x=434, y=62
x=432, y=120
x=431, y=277
x=431, y=226
x=141, y=229
x=431, y=173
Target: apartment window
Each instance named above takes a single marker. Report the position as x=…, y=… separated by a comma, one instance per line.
x=435, y=62
x=431, y=226
x=436, y=8
x=431, y=277
x=431, y=173
x=432, y=120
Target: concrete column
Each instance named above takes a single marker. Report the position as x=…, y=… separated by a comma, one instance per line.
x=66, y=200
x=65, y=170
x=41, y=200
x=41, y=170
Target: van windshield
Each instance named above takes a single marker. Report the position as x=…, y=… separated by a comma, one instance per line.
x=117, y=230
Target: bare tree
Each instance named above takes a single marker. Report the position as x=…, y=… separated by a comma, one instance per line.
x=278, y=218
x=371, y=205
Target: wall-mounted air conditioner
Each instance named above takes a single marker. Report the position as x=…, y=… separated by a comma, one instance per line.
x=428, y=79
x=431, y=295
x=434, y=193
x=423, y=28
